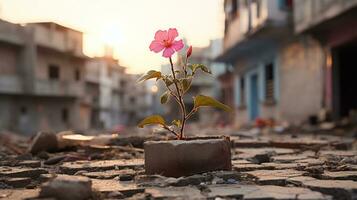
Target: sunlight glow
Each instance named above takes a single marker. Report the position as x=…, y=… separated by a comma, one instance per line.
x=126, y=25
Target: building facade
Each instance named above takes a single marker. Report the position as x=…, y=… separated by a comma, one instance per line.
x=281, y=56
x=105, y=92
x=332, y=23
x=269, y=73
x=138, y=99
x=42, y=78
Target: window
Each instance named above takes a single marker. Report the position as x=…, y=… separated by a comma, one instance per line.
x=23, y=110
x=132, y=100
x=242, y=91
x=77, y=75
x=258, y=8
x=231, y=9
x=53, y=72
x=64, y=115
x=285, y=4
x=123, y=83
x=269, y=78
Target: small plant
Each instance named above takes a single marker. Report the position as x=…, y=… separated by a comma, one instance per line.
x=177, y=83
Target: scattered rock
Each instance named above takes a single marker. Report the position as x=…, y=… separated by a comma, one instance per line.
x=67, y=188
x=273, y=177
x=19, y=194
x=90, y=166
x=175, y=193
x=17, y=182
x=43, y=141
x=249, y=167
x=250, y=192
x=111, y=174
x=341, y=175
x=15, y=172
x=108, y=186
x=29, y=163
x=340, y=189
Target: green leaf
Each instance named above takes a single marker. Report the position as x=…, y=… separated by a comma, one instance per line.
x=201, y=100
x=164, y=97
x=149, y=75
x=167, y=80
x=153, y=119
x=186, y=84
x=177, y=123
x=195, y=67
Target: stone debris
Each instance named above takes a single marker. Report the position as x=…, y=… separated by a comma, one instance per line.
x=14, y=172
x=341, y=175
x=262, y=192
x=16, y=182
x=19, y=194
x=67, y=188
x=175, y=193
x=273, y=177
x=90, y=166
x=126, y=174
x=111, y=166
x=43, y=141
x=108, y=186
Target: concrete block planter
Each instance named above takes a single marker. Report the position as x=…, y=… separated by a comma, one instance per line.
x=175, y=158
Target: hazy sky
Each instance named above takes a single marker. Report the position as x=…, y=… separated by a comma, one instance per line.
x=128, y=25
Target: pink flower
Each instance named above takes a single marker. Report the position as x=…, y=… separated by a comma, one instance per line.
x=166, y=40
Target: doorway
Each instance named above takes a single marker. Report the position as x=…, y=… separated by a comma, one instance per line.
x=254, y=97
x=344, y=79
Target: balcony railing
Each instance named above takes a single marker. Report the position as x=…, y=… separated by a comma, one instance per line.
x=59, y=88
x=10, y=84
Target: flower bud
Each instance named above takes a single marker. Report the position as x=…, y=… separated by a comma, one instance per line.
x=189, y=52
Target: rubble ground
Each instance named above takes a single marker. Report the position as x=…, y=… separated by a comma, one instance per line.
x=275, y=166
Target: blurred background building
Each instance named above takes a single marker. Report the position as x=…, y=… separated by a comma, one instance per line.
x=287, y=61
x=284, y=60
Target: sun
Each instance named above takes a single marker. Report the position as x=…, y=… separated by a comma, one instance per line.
x=111, y=35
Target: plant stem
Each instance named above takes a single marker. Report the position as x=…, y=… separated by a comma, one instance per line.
x=173, y=132
x=181, y=102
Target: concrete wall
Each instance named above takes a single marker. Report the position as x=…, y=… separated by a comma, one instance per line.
x=298, y=84
x=301, y=81
x=309, y=13
x=26, y=114
x=54, y=36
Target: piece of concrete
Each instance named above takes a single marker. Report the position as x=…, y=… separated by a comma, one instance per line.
x=108, y=186
x=238, y=191
x=91, y=166
x=17, y=182
x=67, y=188
x=273, y=177
x=19, y=194
x=177, y=158
x=16, y=172
x=174, y=193
x=43, y=141
x=110, y=174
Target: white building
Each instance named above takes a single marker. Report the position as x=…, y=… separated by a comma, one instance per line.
x=105, y=84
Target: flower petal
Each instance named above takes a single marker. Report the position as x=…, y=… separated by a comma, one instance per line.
x=177, y=45
x=161, y=35
x=172, y=34
x=156, y=46
x=168, y=52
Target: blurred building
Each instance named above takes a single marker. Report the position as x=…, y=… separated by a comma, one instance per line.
x=138, y=99
x=105, y=83
x=281, y=61
x=333, y=24
x=42, y=68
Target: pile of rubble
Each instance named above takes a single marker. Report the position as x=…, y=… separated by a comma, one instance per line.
x=73, y=166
